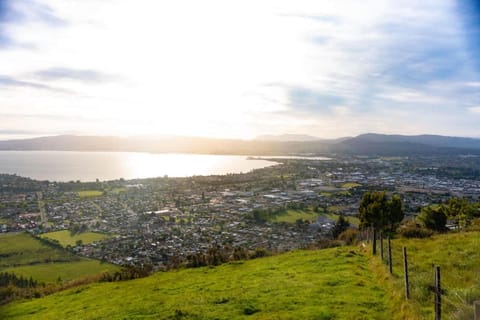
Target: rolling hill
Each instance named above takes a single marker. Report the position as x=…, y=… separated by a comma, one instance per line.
x=336, y=283
x=366, y=144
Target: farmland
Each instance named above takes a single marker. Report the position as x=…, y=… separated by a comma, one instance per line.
x=65, y=237
x=27, y=256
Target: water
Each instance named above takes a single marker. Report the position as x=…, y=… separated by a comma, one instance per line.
x=88, y=166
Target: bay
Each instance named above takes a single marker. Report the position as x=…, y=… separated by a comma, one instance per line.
x=89, y=166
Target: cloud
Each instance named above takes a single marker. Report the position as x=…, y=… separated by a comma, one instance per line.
x=84, y=75
x=6, y=81
x=475, y=110
x=308, y=100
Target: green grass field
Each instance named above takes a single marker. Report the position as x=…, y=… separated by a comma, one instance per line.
x=458, y=255
x=25, y=255
x=65, y=238
x=350, y=185
x=291, y=216
x=19, y=249
x=327, y=284
x=66, y=271
x=336, y=283
x=90, y=193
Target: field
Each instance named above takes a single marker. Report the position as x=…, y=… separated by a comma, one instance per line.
x=328, y=284
x=291, y=216
x=350, y=185
x=65, y=238
x=27, y=256
x=90, y=193
x=64, y=271
x=458, y=256
x=336, y=283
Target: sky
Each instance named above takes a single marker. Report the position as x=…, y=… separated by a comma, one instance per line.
x=239, y=69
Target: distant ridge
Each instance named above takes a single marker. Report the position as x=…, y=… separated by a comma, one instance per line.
x=287, y=137
x=365, y=144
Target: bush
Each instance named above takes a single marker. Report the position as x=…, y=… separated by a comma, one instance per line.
x=349, y=236
x=412, y=229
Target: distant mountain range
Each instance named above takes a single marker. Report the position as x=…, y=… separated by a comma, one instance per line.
x=365, y=144
x=287, y=137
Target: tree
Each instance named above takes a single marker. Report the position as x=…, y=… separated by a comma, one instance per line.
x=461, y=211
x=378, y=212
x=341, y=225
x=434, y=218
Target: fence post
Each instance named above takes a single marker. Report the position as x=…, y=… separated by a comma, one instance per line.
x=476, y=307
x=438, y=295
x=374, y=242
x=381, y=245
x=390, y=267
x=405, y=267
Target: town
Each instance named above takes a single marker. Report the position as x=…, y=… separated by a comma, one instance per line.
x=156, y=221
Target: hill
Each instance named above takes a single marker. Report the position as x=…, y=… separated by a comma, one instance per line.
x=336, y=283
x=328, y=284
x=366, y=144
x=287, y=137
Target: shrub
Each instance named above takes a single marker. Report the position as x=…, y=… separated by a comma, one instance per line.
x=349, y=236
x=411, y=229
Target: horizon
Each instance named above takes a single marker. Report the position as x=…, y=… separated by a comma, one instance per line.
x=197, y=69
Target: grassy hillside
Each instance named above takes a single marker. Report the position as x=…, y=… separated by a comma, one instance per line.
x=458, y=255
x=27, y=256
x=65, y=238
x=337, y=283
x=328, y=284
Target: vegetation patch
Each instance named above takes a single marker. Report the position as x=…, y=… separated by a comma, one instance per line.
x=457, y=255
x=350, y=185
x=287, y=286
x=292, y=216
x=45, y=260
x=65, y=237
x=90, y=193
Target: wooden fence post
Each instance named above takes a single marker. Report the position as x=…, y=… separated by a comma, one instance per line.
x=374, y=242
x=405, y=267
x=390, y=267
x=476, y=306
x=381, y=245
x=438, y=295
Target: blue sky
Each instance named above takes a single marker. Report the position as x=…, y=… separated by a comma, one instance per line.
x=239, y=69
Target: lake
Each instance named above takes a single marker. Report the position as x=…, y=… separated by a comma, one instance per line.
x=88, y=166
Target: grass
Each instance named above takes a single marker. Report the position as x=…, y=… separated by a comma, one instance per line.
x=66, y=271
x=458, y=256
x=25, y=255
x=328, y=284
x=65, y=238
x=291, y=216
x=350, y=185
x=4, y=220
x=90, y=193
x=19, y=249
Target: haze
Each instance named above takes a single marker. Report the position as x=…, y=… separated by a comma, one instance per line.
x=238, y=69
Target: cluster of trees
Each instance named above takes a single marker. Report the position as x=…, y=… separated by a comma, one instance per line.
x=129, y=272
x=13, y=286
x=459, y=211
x=381, y=213
x=217, y=255
x=7, y=279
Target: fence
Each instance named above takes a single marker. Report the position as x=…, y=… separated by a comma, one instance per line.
x=439, y=299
